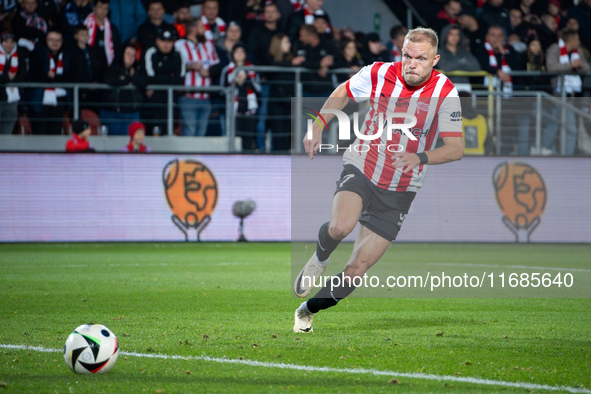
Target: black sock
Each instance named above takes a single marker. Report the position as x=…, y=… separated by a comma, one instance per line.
x=325, y=244
x=325, y=298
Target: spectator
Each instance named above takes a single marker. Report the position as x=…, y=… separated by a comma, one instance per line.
x=200, y=57
x=103, y=38
x=154, y=24
x=313, y=54
x=376, y=51
x=121, y=106
x=286, y=8
x=572, y=24
x=452, y=56
x=497, y=59
x=252, y=15
x=137, y=133
x=494, y=13
x=516, y=44
x=163, y=65
x=73, y=15
x=322, y=26
x=226, y=43
x=531, y=60
x=127, y=16
x=547, y=31
x=182, y=16
x=555, y=9
x=258, y=47
x=517, y=25
x=347, y=34
x=245, y=102
x=29, y=26
x=260, y=37
x=473, y=30
x=281, y=92
x=582, y=12
x=449, y=14
x=397, y=34
x=12, y=69
x=215, y=27
x=305, y=16
x=84, y=66
x=349, y=58
x=531, y=11
x=79, y=142
x=49, y=64
x=565, y=56
x=49, y=11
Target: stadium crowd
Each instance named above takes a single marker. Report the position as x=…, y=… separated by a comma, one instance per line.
x=199, y=43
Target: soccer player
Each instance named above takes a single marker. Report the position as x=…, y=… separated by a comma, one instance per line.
x=378, y=186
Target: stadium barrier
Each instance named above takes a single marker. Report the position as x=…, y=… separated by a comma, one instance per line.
x=495, y=105
x=115, y=197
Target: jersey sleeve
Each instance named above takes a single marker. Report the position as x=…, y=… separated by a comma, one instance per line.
x=450, y=116
x=359, y=85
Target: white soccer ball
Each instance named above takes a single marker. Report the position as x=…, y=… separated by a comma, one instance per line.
x=91, y=348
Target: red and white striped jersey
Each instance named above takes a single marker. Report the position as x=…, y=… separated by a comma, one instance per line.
x=192, y=52
x=435, y=104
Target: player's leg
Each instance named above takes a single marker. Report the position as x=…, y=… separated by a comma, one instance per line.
x=369, y=248
x=346, y=208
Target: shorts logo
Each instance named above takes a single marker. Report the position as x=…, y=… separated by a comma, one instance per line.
x=521, y=196
x=346, y=178
x=402, y=216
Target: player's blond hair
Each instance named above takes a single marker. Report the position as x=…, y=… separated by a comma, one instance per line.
x=423, y=34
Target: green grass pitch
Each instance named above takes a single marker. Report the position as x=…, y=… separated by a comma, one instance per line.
x=233, y=301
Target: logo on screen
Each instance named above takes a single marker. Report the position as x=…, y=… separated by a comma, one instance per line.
x=521, y=195
x=191, y=193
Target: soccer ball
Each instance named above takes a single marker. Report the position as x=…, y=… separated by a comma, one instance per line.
x=91, y=348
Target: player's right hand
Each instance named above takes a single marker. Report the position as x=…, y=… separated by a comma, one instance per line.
x=312, y=145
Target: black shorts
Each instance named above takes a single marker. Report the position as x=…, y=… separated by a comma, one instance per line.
x=383, y=210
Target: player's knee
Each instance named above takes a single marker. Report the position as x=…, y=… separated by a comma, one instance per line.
x=339, y=229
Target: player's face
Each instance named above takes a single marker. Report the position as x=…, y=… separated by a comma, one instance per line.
x=418, y=60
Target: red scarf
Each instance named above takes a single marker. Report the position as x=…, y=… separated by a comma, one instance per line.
x=10, y=58
x=572, y=83
x=77, y=144
x=251, y=97
x=219, y=23
x=59, y=70
x=492, y=61
x=90, y=22
x=130, y=147
x=34, y=21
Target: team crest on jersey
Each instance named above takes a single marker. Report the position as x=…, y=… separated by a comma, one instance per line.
x=421, y=106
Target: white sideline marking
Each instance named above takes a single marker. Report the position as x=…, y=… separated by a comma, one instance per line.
x=363, y=371
x=530, y=267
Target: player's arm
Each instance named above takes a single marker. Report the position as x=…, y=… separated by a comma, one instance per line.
x=452, y=150
x=337, y=100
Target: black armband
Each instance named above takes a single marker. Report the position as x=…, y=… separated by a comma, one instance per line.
x=423, y=159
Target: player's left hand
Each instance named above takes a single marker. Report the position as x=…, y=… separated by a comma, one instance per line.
x=405, y=160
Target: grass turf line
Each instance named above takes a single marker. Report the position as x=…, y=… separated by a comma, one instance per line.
x=166, y=297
